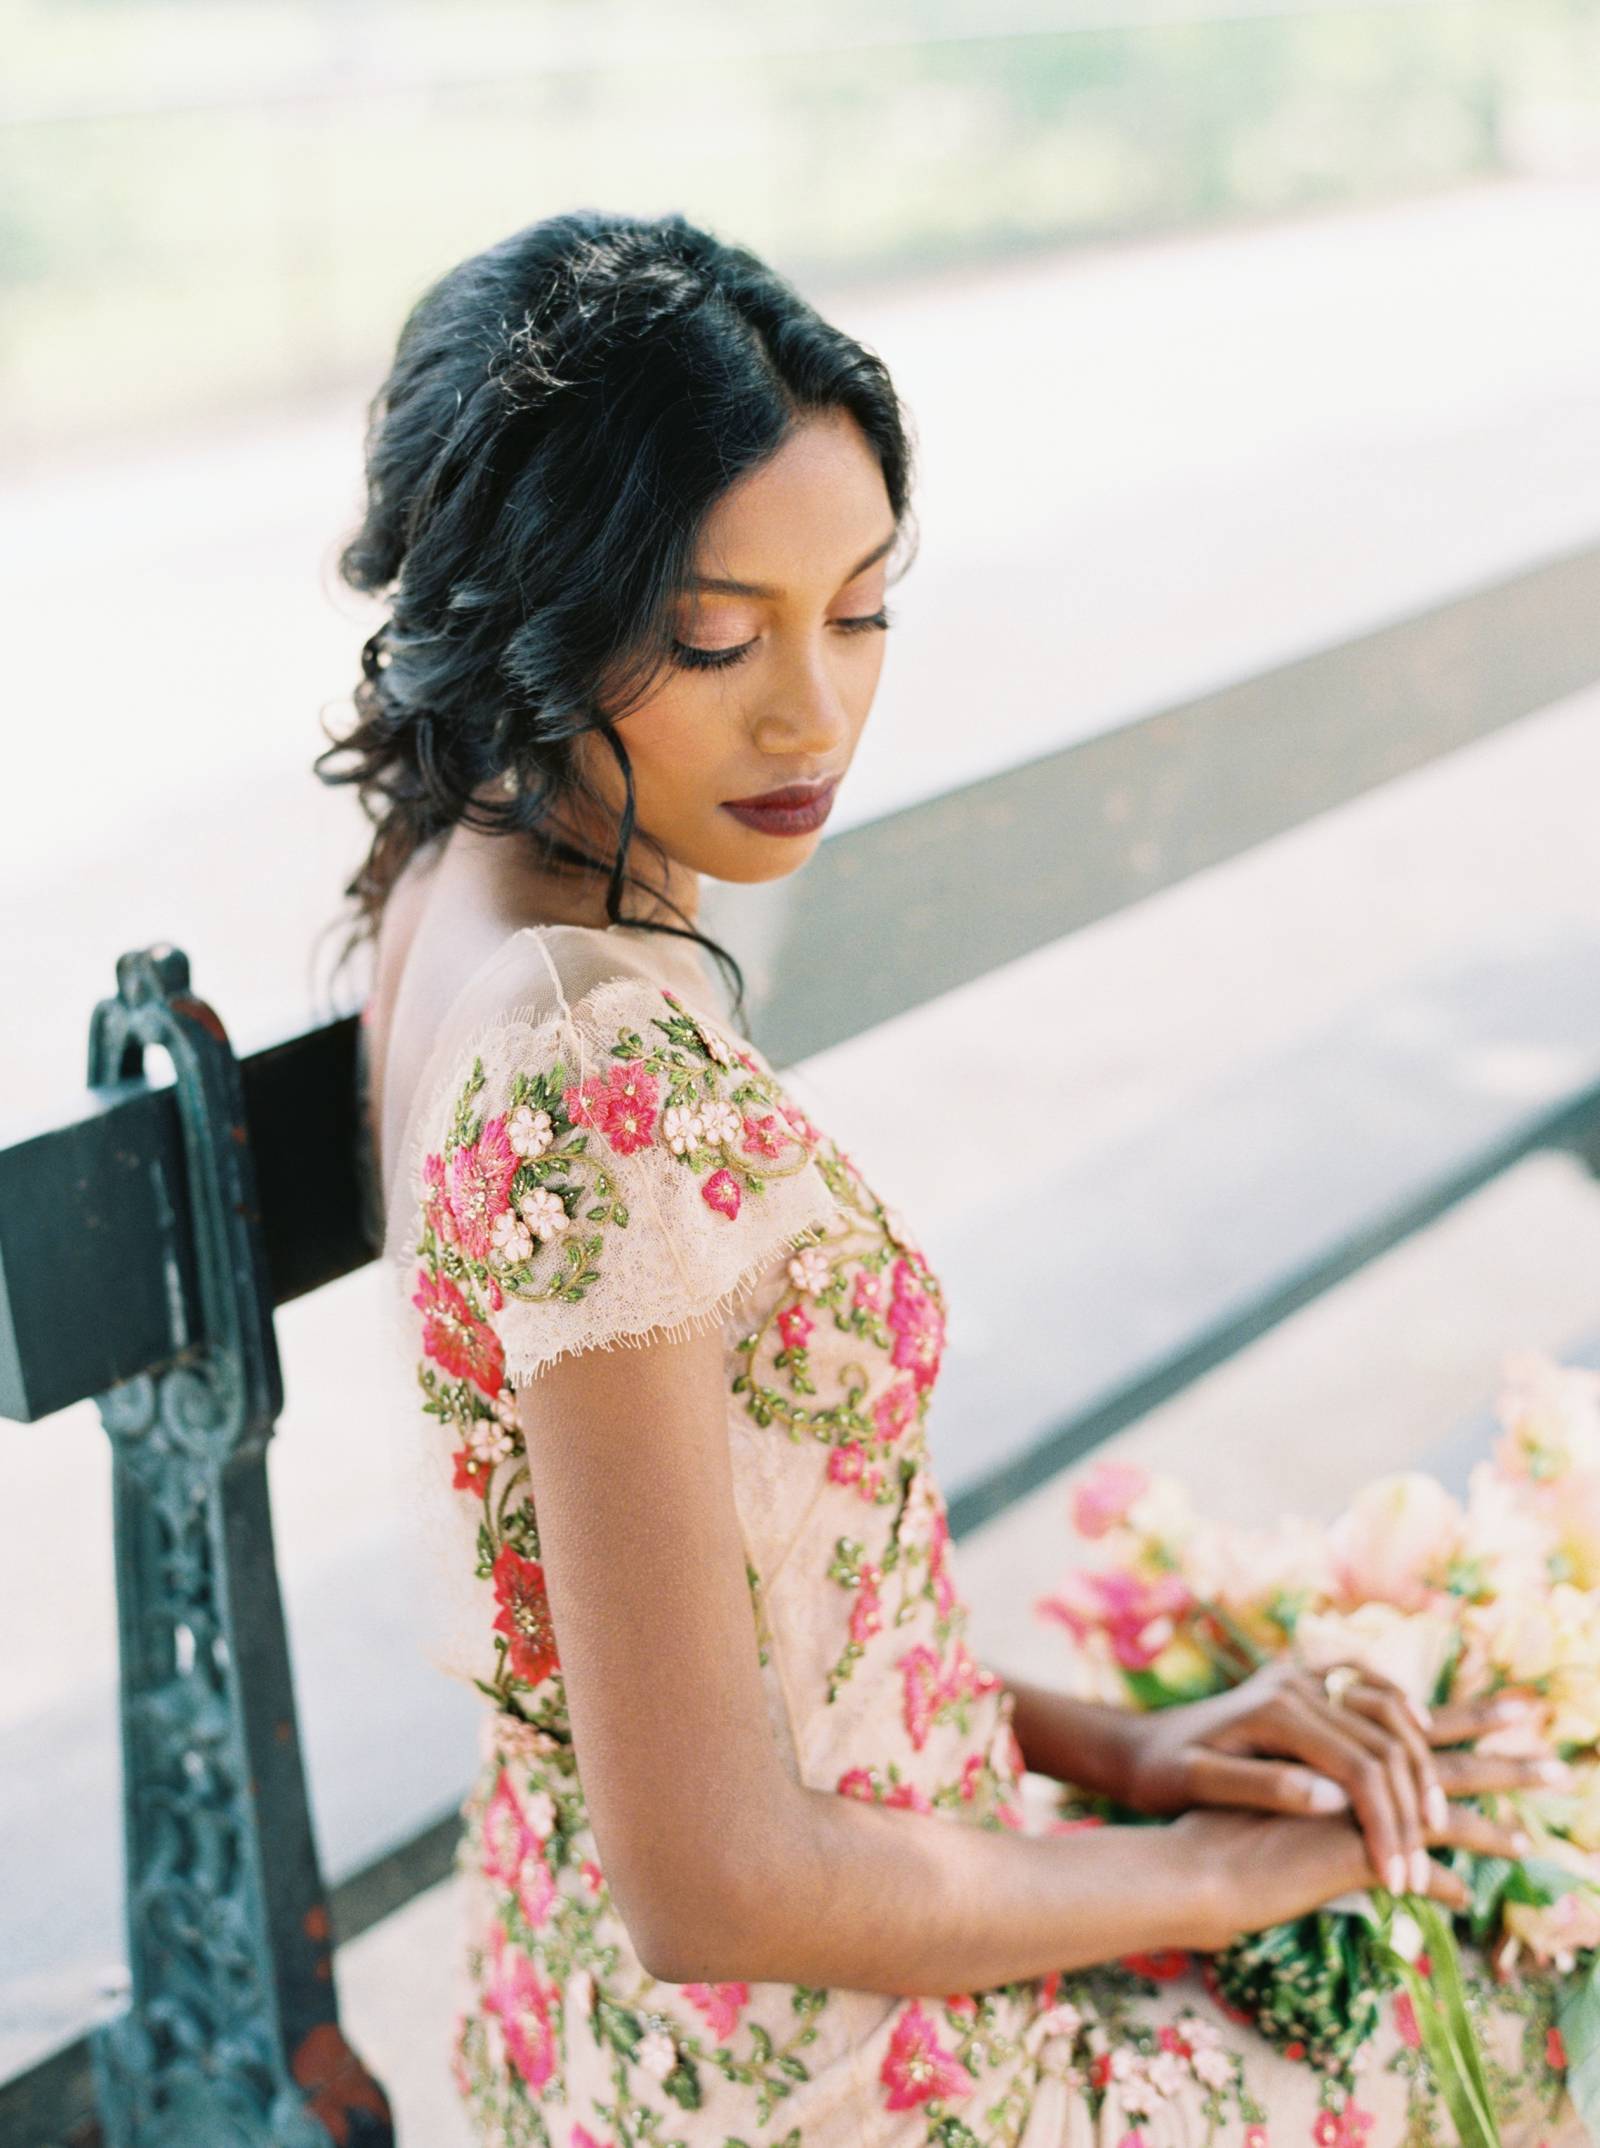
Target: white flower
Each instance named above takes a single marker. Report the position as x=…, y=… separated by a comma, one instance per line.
x=1124, y=2064
x=541, y=1810
x=715, y=1046
x=1405, y=1935
x=511, y=1242
x=1062, y=2019
x=681, y=1128
x=810, y=1268
x=721, y=1121
x=1138, y=2093
x=488, y=1439
x=544, y=1212
x=1168, y=2073
x=583, y=1991
x=530, y=1132
x=505, y=1408
x=1213, y=2067
x=657, y=2053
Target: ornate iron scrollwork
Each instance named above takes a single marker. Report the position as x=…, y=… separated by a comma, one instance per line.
x=231, y=2037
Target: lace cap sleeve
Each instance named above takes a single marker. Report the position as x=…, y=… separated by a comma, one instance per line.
x=607, y=1172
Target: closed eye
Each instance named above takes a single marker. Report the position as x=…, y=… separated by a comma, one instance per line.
x=693, y=658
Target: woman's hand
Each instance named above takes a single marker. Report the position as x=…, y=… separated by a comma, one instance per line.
x=1259, y=1871
x=1278, y=1743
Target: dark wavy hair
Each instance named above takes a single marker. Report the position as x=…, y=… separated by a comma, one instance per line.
x=563, y=411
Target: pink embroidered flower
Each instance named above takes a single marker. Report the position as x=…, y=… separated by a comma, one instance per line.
x=866, y=1613
x=472, y=1472
x=857, y=1782
x=961, y=2002
x=867, y=1289
x=524, y=2002
x=923, y=1690
x=1555, y=2051
x=917, y=2067
x=908, y=1797
x=583, y=2138
x=762, y=1136
x=524, y=1615
x=593, y=1877
x=844, y=1462
x=895, y=1408
x=918, y=1326
x=721, y=1192
x=1010, y=1816
x=1101, y=1502
x=621, y=1104
x=794, y=1325
x=967, y=1678
x=1256, y=2137
x=721, y=2004
x=871, y=1482
x=436, y=1201
x=454, y=1337
x=478, y=1183
x=513, y=1852
x=971, y=1776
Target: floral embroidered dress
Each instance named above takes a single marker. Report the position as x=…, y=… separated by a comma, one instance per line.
x=593, y=1154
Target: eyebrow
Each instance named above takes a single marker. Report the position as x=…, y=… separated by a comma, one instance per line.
x=727, y=588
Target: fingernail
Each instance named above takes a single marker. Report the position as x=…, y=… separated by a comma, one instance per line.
x=1438, y=1806
x=1323, y=1794
x=1394, y=1874
x=1419, y=1871
x=1553, y=1771
x=1424, y=1715
x=1521, y=1844
x=1509, y=1705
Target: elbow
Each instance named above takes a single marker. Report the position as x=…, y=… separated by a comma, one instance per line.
x=728, y=1917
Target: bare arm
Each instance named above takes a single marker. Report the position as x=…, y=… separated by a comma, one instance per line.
x=722, y=1865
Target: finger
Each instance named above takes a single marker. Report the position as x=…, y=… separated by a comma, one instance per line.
x=1387, y=1706
x=1215, y=1778
x=1317, y=1737
x=1470, y=1774
x=1414, y=1710
x=1469, y=1829
x=1444, y=1886
x=1454, y=1721
x=1394, y=1756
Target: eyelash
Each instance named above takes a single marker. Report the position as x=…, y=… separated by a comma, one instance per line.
x=694, y=659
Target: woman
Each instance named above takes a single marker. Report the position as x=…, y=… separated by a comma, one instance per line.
x=752, y=1856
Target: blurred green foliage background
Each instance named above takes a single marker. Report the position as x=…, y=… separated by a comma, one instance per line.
x=210, y=204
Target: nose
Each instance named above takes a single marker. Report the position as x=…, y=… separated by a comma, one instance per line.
x=804, y=715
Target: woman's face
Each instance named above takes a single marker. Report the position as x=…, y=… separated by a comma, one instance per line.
x=776, y=676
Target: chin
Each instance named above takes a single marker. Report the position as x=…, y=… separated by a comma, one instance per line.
x=761, y=857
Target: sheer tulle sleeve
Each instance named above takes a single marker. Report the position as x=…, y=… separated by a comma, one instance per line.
x=607, y=1172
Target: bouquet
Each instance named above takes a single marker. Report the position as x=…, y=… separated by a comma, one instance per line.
x=1451, y=1600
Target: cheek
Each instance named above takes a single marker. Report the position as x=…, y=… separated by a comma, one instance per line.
x=679, y=747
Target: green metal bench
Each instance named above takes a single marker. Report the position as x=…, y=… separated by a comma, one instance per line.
x=175, y=1212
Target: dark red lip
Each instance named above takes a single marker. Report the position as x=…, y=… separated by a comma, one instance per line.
x=792, y=794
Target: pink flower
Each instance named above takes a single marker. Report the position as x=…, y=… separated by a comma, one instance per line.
x=918, y=1326
x=923, y=1690
x=857, y=1782
x=917, y=2066
x=907, y=1797
x=524, y=1615
x=523, y=2000
x=1394, y=1542
x=513, y=1853
x=721, y=1192
x=454, y=1337
x=867, y=1289
x=895, y=1408
x=478, y=1183
x=1405, y=2020
x=1101, y=1502
x=1256, y=2137
x=866, y=1613
x=1135, y=2139
x=794, y=1325
x=583, y=2138
x=761, y=1136
x=721, y=2004
x=621, y=1104
x=1135, y=1615
x=844, y=1462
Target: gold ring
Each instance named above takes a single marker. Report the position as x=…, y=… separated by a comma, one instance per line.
x=1337, y=1683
